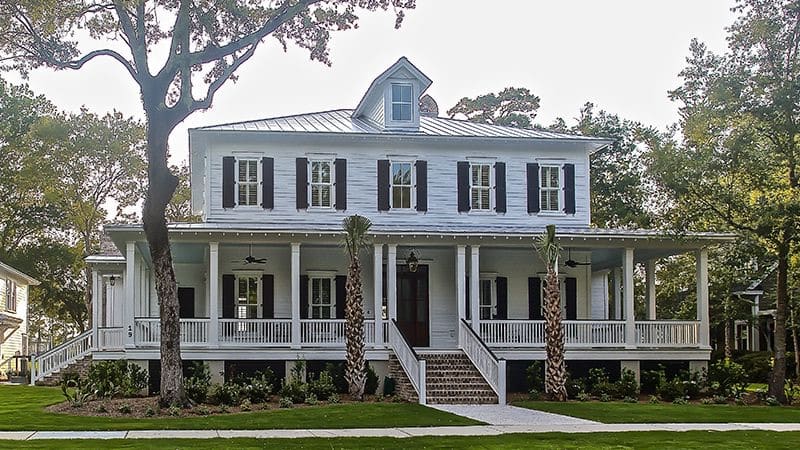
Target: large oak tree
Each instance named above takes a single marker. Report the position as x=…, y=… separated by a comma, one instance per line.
x=205, y=42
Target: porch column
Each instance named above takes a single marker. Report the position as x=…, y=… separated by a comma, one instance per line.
x=96, y=298
x=702, y=296
x=391, y=280
x=651, y=289
x=213, y=294
x=627, y=294
x=127, y=308
x=378, y=294
x=296, y=295
x=617, y=283
x=754, y=336
x=474, y=282
x=461, y=288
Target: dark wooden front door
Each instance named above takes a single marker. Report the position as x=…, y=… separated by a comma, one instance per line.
x=186, y=302
x=412, y=305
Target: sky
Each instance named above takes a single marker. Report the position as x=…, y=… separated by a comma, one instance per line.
x=622, y=55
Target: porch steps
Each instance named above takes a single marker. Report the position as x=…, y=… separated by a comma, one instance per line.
x=451, y=378
x=79, y=366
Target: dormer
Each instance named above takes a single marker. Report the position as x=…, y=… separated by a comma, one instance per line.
x=392, y=100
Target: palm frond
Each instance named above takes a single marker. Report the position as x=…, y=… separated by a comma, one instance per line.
x=547, y=247
x=355, y=229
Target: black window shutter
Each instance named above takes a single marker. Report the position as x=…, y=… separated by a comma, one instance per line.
x=228, y=296
x=268, y=289
x=228, y=184
x=301, y=195
x=500, y=187
x=534, y=298
x=267, y=183
x=466, y=300
x=571, y=294
x=304, y=297
x=533, y=187
x=383, y=185
x=341, y=295
x=502, y=298
x=422, y=185
x=340, y=167
x=463, y=186
x=569, y=188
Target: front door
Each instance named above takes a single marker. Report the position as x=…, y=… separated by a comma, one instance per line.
x=412, y=305
x=186, y=302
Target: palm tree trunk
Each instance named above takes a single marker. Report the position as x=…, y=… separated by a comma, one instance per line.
x=354, y=322
x=556, y=372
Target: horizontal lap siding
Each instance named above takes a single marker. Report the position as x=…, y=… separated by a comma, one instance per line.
x=362, y=188
x=13, y=343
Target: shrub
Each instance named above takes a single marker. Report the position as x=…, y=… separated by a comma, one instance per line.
x=294, y=390
x=533, y=375
x=605, y=397
x=198, y=382
x=670, y=390
x=285, y=402
x=334, y=398
x=227, y=394
x=630, y=400
x=584, y=397
x=336, y=371
x=311, y=399
x=202, y=411
x=727, y=378
x=654, y=399
x=598, y=382
x=124, y=408
x=757, y=366
x=651, y=379
x=707, y=401
x=112, y=378
x=680, y=401
x=258, y=388
x=720, y=400
x=772, y=401
x=371, y=385
x=575, y=386
x=323, y=386
x=389, y=386
x=101, y=409
x=174, y=411
x=150, y=412
x=533, y=394
x=246, y=405
x=627, y=385
x=77, y=391
x=693, y=383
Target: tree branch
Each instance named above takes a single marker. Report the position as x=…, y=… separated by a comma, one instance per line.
x=77, y=64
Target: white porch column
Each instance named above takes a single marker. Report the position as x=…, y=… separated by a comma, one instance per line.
x=702, y=296
x=474, y=283
x=377, y=265
x=627, y=294
x=96, y=298
x=651, y=289
x=128, y=304
x=754, y=336
x=617, y=288
x=296, y=295
x=213, y=294
x=461, y=288
x=391, y=280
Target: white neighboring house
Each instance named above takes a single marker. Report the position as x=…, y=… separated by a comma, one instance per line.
x=456, y=207
x=13, y=318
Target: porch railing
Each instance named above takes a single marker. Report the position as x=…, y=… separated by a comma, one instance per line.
x=492, y=368
x=590, y=333
x=110, y=338
x=667, y=333
x=414, y=367
x=147, y=331
x=261, y=332
x=59, y=357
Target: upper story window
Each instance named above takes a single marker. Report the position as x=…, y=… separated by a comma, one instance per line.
x=480, y=186
x=2, y=293
x=247, y=297
x=8, y=295
x=321, y=295
x=550, y=189
x=402, y=104
x=402, y=187
x=321, y=184
x=248, y=182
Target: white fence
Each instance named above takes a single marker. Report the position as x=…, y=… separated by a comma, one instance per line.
x=260, y=332
x=110, y=338
x=413, y=366
x=590, y=333
x=492, y=368
x=667, y=333
x=147, y=331
x=59, y=357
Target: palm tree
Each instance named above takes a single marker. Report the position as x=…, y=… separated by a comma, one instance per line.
x=555, y=380
x=355, y=239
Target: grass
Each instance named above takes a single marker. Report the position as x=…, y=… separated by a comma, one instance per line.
x=23, y=409
x=654, y=439
x=617, y=412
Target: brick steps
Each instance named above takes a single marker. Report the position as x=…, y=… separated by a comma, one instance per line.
x=81, y=366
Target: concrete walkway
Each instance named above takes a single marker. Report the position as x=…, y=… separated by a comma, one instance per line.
x=510, y=415
x=481, y=430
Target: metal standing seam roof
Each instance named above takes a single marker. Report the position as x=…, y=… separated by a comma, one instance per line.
x=341, y=121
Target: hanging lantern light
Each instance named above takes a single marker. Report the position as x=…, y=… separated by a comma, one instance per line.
x=112, y=280
x=412, y=261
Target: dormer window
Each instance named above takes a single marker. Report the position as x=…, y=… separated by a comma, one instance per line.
x=402, y=105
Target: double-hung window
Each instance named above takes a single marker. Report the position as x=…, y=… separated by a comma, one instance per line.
x=402, y=105
x=3, y=293
x=550, y=189
x=321, y=295
x=488, y=298
x=11, y=296
x=321, y=184
x=247, y=297
x=402, y=185
x=248, y=182
x=481, y=186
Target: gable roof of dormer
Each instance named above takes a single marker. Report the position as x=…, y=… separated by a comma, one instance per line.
x=402, y=64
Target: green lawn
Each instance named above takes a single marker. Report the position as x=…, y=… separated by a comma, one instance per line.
x=23, y=409
x=617, y=412
x=660, y=440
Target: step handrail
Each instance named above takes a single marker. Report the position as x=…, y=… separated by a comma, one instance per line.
x=60, y=356
x=492, y=368
x=413, y=366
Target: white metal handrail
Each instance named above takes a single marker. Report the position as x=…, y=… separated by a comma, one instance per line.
x=409, y=360
x=491, y=368
x=59, y=357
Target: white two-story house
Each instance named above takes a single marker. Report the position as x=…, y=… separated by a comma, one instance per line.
x=456, y=207
x=14, y=286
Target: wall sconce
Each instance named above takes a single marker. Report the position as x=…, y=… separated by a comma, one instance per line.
x=112, y=280
x=412, y=261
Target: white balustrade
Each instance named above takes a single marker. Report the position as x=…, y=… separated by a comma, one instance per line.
x=492, y=368
x=414, y=367
x=61, y=356
x=255, y=332
x=667, y=333
x=147, y=331
x=322, y=332
x=594, y=333
x=513, y=333
x=369, y=331
x=110, y=338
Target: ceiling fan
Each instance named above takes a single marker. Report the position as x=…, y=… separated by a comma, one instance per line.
x=250, y=259
x=572, y=263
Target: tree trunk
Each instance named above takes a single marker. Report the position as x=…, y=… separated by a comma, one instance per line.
x=354, y=315
x=794, y=347
x=778, y=378
x=728, y=348
x=87, y=272
x=556, y=371
x=161, y=186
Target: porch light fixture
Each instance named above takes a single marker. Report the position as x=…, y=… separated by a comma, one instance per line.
x=412, y=261
x=112, y=280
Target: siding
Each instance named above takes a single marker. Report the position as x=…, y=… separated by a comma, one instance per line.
x=13, y=342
